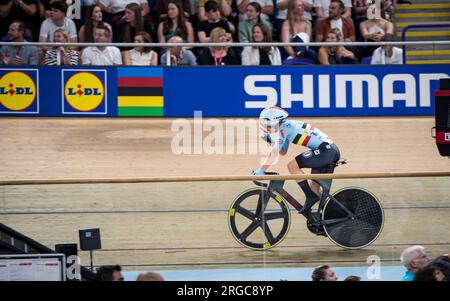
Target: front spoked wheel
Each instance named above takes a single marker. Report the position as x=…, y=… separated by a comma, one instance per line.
x=355, y=220
x=259, y=221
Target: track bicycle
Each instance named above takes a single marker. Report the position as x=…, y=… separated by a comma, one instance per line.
x=260, y=218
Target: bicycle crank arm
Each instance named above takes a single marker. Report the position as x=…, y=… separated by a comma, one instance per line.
x=335, y=220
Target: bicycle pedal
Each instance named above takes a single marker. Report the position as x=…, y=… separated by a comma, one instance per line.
x=316, y=229
x=321, y=233
x=314, y=225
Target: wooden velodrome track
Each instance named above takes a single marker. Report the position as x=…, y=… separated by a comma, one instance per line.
x=184, y=225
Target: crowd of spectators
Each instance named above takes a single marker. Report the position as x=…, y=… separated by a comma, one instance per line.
x=175, y=21
x=114, y=273
x=418, y=268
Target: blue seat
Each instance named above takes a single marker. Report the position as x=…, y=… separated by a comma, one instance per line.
x=348, y=61
x=298, y=61
x=366, y=60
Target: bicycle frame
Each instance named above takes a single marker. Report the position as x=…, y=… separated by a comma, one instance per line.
x=339, y=215
x=277, y=186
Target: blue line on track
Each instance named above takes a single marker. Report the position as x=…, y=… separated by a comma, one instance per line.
x=176, y=211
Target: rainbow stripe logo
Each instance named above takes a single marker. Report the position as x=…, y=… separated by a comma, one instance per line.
x=140, y=91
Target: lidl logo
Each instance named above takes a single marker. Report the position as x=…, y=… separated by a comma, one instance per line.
x=84, y=91
x=80, y=91
x=18, y=91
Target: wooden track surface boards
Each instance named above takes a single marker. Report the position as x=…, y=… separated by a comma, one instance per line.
x=184, y=226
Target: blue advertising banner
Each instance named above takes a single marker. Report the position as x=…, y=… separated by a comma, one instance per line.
x=219, y=91
x=302, y=91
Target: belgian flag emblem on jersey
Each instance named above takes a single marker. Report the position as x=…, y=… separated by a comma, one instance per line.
x=305, y=136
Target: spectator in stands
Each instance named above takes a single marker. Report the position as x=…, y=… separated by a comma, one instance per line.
x=194, y=11
x=18, y=10
x=94, y=16
x=60, y=55
x=179, y=56
x=44, y=9
x=84, y=6
x=150, y=276
x=323, y=273
x=297, y=29
x=139, y=55
x=132, y=23
x=104, y=55
x=18, y=55
x=374, y=28
x=282, y=15
x=267, y=55
x=387, y=9
x=353, y=278
x=224, y=8
x=424, y=274
x=161, y=7
x=388, y=54
x=334, y=55
x=335, y=20
x=413, y=258
x=218, y=55
x=436, y=270
x=175, y=24
x=359, y=15
x=322, y=9
x=266, y=9
x=213, y=21
x=109, y=273
x=253, y=17
x=445, y=257
x=115, y=9
x=57, y=20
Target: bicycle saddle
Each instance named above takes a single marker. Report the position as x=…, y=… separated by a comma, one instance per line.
x=339, y=162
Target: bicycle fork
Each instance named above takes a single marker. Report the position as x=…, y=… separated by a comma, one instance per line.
x=261, y=207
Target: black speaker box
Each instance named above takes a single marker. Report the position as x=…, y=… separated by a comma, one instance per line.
x=90, y=239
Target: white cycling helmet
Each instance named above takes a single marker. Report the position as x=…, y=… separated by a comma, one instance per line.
x=272, y=116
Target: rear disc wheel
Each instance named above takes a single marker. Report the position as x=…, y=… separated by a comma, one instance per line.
x=359, y=230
